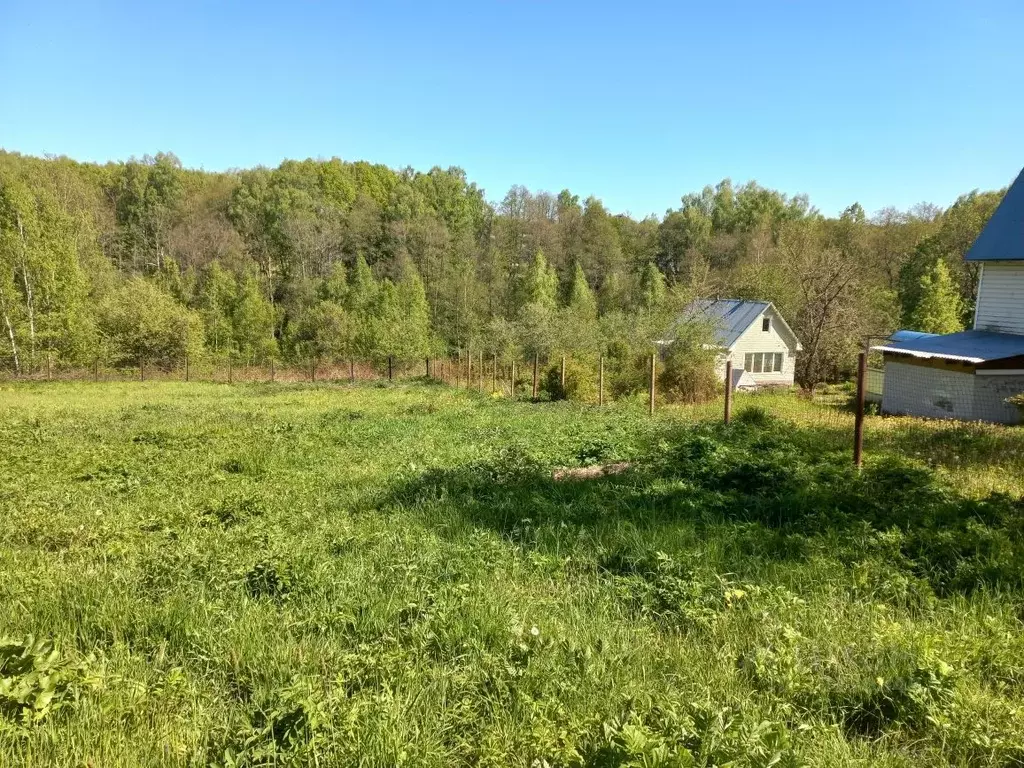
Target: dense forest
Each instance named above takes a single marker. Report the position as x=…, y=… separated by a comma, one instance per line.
x=327, y=260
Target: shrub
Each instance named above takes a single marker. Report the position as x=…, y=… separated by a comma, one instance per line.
x=580, y=381
x=688, y=373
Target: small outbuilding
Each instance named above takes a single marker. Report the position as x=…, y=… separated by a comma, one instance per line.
x=754, y=336
x=969, y=375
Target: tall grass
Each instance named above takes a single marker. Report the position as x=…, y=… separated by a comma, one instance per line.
x=318, y=575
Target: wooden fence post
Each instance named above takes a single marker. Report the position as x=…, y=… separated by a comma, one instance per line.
x=654, y=370
x=494, y=373
x=96, y=369
x=273, y=370
x=512, y=383
x=858, y=424
x=600, y=382
x=563, y=376
x=312, y=370
x=728, y=390
x=536, y=366
x=481, y=367
x=351, y=371
x=142, y=369
x=231, y=370
x=49, y=372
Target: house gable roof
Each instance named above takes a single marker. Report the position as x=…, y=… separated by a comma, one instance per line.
x=730, y=318
x=1002, y=239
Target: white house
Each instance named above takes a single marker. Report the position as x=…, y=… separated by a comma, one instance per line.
x=754, y=336
x=969, y=375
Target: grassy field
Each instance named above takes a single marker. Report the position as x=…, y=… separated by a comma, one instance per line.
x=201, y=574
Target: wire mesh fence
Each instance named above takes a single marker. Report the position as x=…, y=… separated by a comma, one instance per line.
x=840, y=414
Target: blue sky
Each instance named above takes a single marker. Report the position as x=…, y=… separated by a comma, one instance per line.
x=885, y=103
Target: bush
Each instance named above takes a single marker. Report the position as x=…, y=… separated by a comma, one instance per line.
x=688, y=374
x=580, y=381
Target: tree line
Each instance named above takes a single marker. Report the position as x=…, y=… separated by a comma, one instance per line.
x=331, y=260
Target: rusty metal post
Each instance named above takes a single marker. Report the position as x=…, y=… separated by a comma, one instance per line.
x=728, y=390
x=858, y=424
x=536, y=367
x=654, y=370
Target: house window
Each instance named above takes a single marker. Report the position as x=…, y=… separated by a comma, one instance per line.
x=758, y=362
x=766, y=324
x=778, y=362
x=748, y=361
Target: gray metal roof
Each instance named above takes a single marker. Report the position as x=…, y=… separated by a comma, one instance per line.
x=729, y=317
x=1002, y=239
x=966, y=346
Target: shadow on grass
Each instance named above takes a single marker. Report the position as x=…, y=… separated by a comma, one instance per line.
x=780, y=490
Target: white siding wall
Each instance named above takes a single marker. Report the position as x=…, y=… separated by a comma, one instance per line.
x=1001, y=297
x=756, y=340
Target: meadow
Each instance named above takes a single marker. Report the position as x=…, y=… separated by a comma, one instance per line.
x=316, y=574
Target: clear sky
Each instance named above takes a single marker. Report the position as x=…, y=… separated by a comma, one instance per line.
x=885, y=103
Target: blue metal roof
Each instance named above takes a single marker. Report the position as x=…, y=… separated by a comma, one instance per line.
x=910, y=335
x=1002, y=239
x=966, y=346
x=729, y=317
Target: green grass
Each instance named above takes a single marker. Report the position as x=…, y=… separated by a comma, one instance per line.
x=199, y=574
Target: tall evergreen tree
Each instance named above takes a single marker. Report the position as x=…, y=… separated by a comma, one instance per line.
x=939, y=309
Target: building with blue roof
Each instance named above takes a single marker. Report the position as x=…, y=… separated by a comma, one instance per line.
x=969, y=375
x=751, y=334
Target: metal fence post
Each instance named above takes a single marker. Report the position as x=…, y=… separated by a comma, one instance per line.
x=600, y=382
x=858, y=424
x=187, y=372
x=654, y=369
x=390, y=367
x=728, y=390
x=536, y=366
